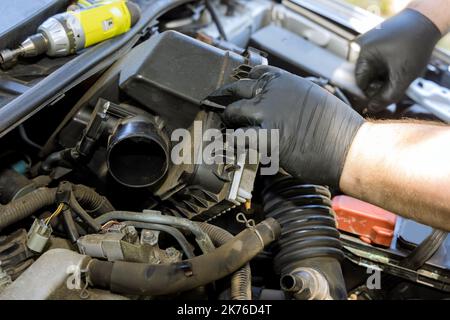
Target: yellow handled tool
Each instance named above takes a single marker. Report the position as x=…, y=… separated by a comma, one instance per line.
x=71, y=31
x=84, y=4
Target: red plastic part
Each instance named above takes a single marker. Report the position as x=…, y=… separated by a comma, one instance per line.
x=371, y=223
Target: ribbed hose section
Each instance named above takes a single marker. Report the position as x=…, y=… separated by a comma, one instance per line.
x=30, y=203
x=241, y=287
x=241, y=284
x=309, y=237
x=26, y=206
x=91, y=201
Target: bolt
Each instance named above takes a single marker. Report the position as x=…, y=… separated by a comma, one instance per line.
x=148, y=236
x=171, y=251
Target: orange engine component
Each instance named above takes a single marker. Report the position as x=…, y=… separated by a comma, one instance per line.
x=371, y=223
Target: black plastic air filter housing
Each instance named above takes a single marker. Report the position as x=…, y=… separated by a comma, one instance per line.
x=171, y=74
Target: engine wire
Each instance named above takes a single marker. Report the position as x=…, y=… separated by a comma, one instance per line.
x=55, y=213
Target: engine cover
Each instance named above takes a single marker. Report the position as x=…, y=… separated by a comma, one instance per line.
x=171, y=74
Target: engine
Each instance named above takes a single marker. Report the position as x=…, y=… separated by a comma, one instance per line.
x=123, y=197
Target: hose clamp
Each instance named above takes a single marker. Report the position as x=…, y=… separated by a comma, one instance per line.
x=250, y=224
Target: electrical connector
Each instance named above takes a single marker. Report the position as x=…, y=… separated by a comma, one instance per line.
x=38, y=235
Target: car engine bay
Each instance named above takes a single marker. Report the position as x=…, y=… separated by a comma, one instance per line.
x=92, y=206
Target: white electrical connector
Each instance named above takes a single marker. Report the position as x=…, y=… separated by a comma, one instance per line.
x=38, y=235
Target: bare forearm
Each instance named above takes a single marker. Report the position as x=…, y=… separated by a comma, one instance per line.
x=437, y=11
x=404, y=168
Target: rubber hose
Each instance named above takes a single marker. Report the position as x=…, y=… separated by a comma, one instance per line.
x=155, y=280
x=79, y=210
x=28, y=204
x=241, y=285
x=424, y=251
x=41, y=181
x=25, y=206
x=91, y=200
x=70, y=226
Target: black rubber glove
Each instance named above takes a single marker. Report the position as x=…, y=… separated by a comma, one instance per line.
x=316, y=129
x=393, y=56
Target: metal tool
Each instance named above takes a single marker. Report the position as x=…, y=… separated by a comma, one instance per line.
x=66, y=33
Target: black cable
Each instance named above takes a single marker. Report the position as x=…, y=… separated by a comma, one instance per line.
x=70, y=226
x=216, y=19
x=24, y=136
x=424, y=251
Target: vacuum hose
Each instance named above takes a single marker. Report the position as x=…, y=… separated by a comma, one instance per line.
x=241, y=285
x=309, y=253
x=154, y=280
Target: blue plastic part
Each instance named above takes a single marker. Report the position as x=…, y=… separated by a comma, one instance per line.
x=20, y=167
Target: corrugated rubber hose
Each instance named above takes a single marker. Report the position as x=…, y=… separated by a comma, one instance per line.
x=241, y=280
x=91, y=200
x=30, y=203
x=26, y=205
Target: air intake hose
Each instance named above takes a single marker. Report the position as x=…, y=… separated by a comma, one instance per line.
x=309, y=249
x=155, y=280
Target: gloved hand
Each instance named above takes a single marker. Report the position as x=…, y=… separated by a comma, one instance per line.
x=393, y=56
x=316, y=129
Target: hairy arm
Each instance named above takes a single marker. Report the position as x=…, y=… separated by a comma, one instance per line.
x=437, y=11
x=404, y=168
